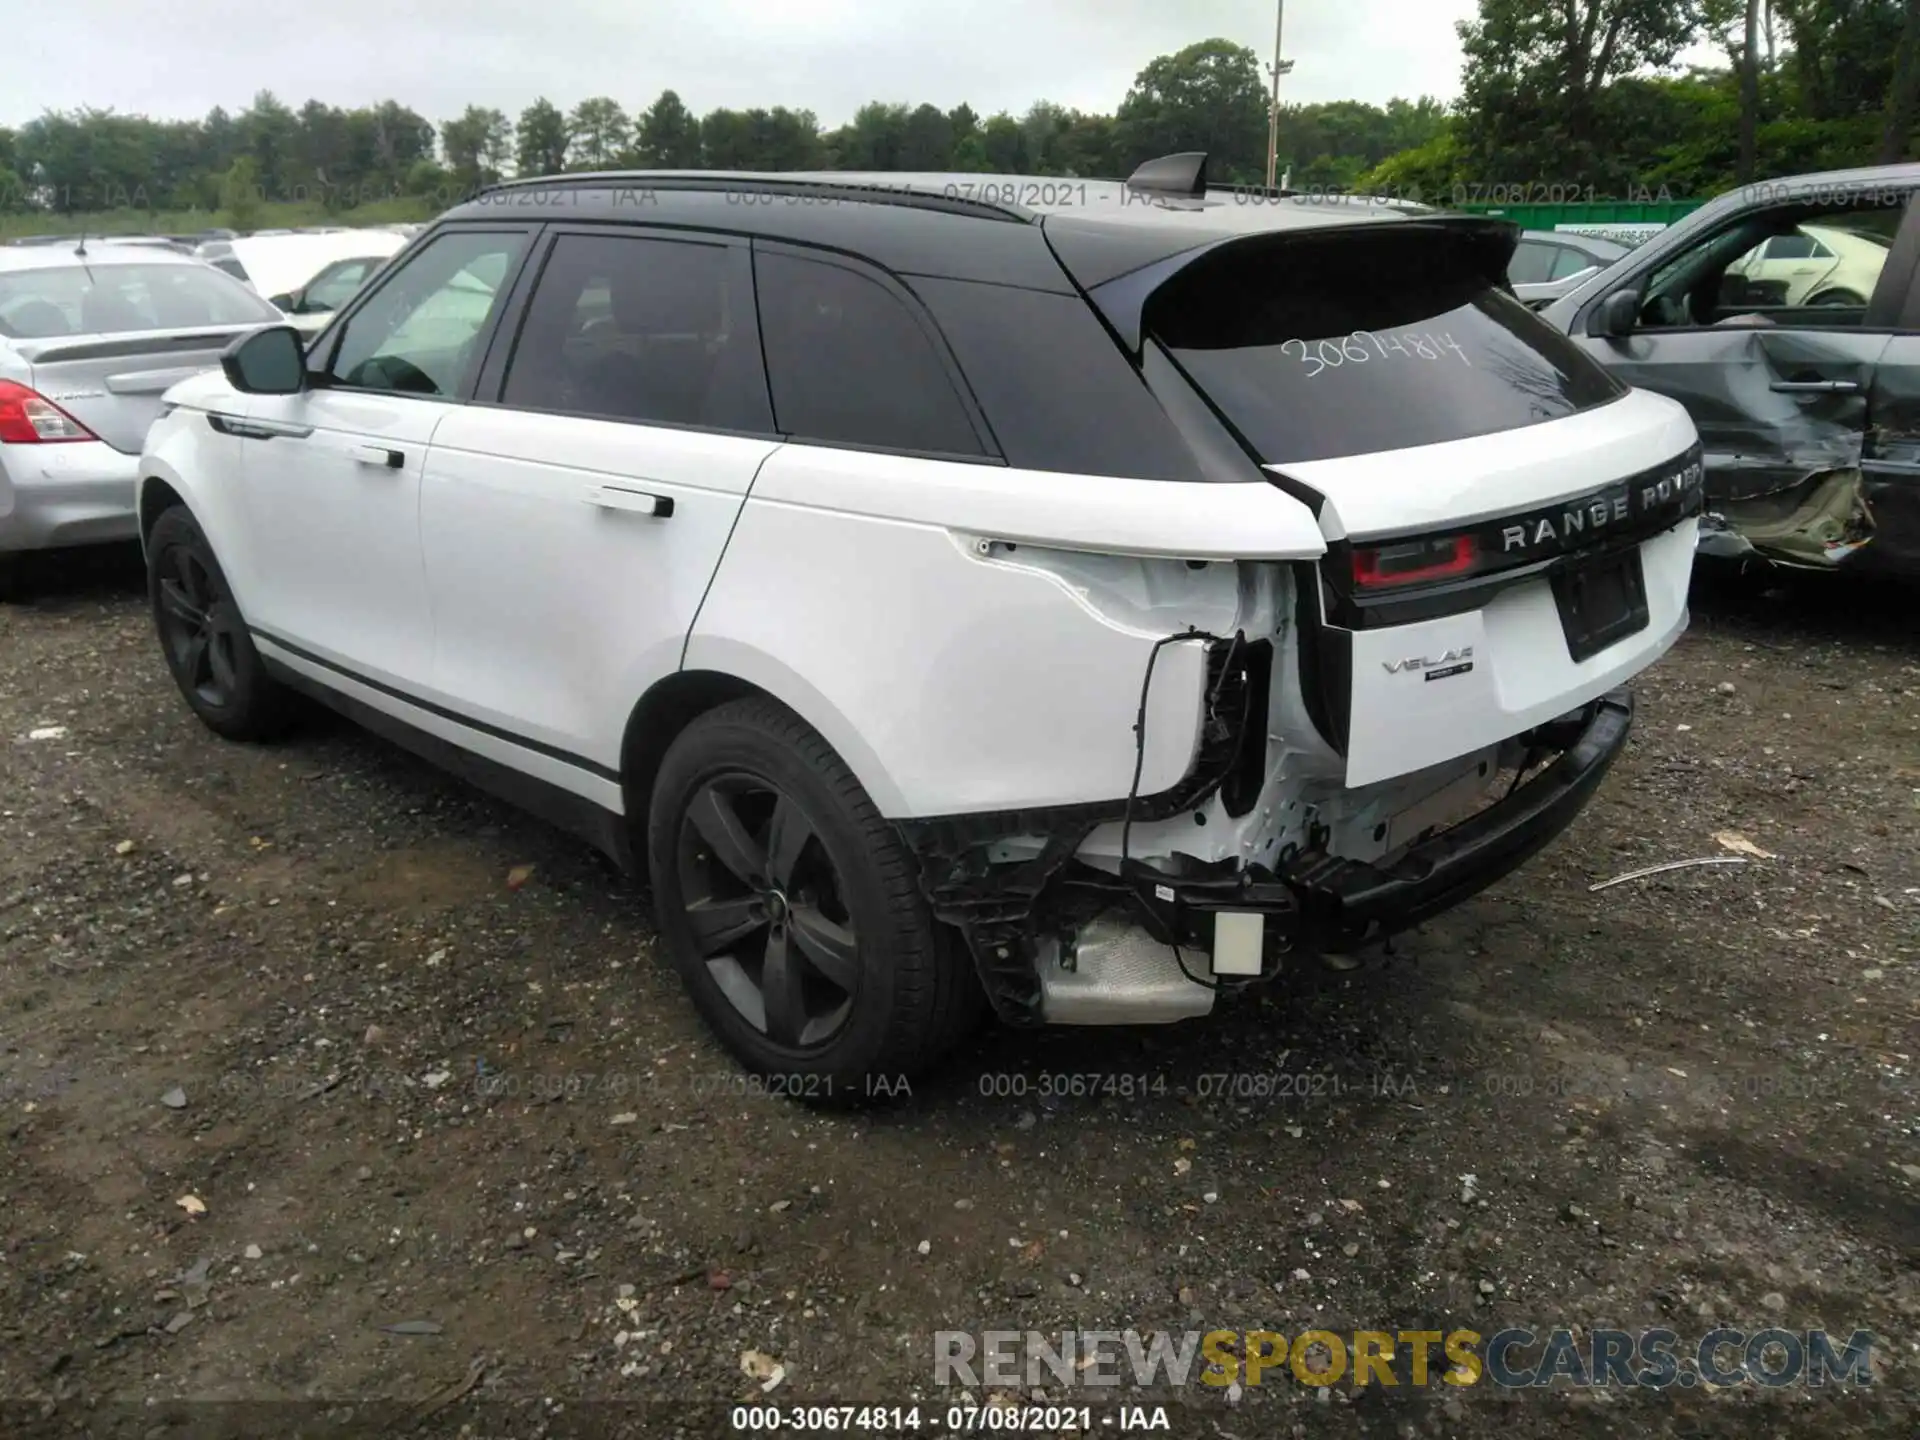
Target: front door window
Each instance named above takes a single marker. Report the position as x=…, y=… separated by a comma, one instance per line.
x=419, y=333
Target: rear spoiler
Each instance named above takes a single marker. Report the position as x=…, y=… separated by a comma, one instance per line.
x=1122, y=301
x=45, y=350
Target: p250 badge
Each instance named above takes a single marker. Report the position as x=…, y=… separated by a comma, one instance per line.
x=1434, y=667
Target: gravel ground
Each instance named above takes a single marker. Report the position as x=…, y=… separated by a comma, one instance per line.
x=409, y=1057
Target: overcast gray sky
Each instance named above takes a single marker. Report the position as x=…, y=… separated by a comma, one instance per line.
x=829, y=56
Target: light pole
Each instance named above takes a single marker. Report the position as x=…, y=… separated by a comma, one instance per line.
x=1276, y=70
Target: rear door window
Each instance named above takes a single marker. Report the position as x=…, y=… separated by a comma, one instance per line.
x=633, y=327
x=1569, y=261
x=1532, y=262
x=850, y=364
x=1346, y=342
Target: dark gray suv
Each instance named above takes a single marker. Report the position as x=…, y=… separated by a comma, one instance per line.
x=1786, y=317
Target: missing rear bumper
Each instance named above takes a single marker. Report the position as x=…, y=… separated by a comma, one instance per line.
x=1090, y=947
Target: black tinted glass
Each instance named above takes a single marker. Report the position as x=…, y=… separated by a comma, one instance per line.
x=849, y=364
x=1056, y=387
x=626, y=327
x=1347, y=343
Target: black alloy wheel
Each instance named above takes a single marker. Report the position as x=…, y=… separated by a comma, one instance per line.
x=198, y=624
x=204, y=637
x=765, y=905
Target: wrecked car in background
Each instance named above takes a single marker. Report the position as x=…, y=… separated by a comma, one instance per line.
x=1783, y=315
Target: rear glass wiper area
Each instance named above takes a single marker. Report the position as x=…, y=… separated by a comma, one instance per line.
x=1339, y=342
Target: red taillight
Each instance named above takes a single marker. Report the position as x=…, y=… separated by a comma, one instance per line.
x=29, y=418
x=1412, y=561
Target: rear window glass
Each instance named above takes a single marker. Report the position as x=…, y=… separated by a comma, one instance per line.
x=1345, y=343
x=109, y=299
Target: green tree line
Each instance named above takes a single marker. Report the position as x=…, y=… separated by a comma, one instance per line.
x=1575, y=96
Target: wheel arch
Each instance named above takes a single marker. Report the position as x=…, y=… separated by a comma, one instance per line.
x=675, y=701
x=656, y=721
x=157, y=495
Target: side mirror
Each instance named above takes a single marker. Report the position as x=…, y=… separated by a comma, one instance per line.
x=270, y=361
x=1616, y=316
x=288, y=302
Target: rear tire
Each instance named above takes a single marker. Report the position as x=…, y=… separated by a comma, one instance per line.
x=793, y=912
x=204, y=639
x=12, y=582
x=1838, y=297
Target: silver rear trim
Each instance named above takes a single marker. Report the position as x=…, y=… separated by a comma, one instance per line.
x=1120, y=975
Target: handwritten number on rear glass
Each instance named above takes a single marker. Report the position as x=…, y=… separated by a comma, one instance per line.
x=1412, y=344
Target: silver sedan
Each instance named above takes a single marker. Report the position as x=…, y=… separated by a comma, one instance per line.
x=92, y=334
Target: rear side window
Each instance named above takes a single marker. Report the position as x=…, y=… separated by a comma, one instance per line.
x=1532, y=263
x=112, y=299
x=1571, y=262
x=1058, y=392
x=849, y=364
x=626, y=327
x=1346, y=342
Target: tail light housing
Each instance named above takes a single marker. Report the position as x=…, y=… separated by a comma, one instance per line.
x=28, y=418
x=1414, y=562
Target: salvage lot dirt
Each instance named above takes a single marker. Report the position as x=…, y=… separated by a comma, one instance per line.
x=423, y=1082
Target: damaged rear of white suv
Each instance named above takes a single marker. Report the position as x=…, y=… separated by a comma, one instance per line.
x=1077, y=596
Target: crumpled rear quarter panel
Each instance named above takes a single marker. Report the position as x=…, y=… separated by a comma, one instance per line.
x=955, y=679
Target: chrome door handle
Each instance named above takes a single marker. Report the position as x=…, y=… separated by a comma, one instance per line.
x=1817, y=387
x=621, y=497
x=379, y=455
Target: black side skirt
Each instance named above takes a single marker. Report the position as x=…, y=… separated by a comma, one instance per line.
x=575, y=814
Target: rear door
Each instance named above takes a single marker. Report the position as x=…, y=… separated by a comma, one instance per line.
x=572, y=521
x=1891, y=459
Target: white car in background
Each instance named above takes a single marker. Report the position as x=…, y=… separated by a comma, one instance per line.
x=1816, y=265
x=306, y=275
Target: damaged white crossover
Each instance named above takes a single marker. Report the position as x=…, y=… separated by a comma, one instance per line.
x=1072, y=610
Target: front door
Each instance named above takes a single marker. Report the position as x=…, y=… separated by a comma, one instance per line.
x=333, y=474
x=572, y=520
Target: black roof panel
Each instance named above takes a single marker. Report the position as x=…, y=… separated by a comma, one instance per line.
x=967, y=227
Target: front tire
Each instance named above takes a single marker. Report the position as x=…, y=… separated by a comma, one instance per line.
x=792, y=911
x=204, y=638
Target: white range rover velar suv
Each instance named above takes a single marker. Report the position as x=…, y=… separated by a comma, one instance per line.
x=1066, y=597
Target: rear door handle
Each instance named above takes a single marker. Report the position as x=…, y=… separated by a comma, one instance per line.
x=621, y=497
x=1817, y=387
x=379, y=455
